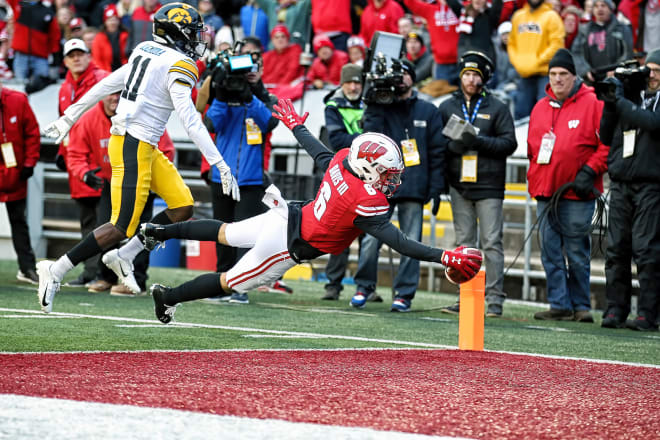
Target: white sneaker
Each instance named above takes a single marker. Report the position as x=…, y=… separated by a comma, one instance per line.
x=122, y=268
x=48, y=287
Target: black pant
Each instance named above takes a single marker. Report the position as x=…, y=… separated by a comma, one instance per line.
x=336, y=269
x=20, y=235
x=633, y=233
x=228, y=210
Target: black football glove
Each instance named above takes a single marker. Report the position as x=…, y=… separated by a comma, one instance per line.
x=26, y=173
x=584, y=182
x=92, y=180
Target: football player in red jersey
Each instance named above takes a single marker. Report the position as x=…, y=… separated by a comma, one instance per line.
x=352, y=199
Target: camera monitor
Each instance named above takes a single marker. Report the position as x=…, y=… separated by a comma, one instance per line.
x=388, y=44
x=241, y=63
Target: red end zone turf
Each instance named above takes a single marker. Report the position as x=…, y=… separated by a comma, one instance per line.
x=471, y=394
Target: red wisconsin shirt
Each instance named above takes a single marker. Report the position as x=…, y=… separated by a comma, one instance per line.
x=327, y=223
x=383, y=19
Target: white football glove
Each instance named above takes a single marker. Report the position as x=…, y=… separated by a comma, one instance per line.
x=229, y=184
x=58, y=129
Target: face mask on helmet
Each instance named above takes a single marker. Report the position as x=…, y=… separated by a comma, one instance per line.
x=376, y=159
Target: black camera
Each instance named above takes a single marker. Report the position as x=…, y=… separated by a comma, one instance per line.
x=229, y=75
x=382, y=73
x=632, y=76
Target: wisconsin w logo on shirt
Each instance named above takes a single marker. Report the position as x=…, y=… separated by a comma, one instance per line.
x=573, y=123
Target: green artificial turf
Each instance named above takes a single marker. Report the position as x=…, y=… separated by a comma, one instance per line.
x=273, y=320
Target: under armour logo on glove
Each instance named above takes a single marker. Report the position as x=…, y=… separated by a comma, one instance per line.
x=285, y=112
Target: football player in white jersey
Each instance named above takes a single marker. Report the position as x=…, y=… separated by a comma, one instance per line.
x=157, y=79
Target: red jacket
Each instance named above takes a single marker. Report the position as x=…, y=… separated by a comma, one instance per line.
x=37, y=32
x=102, y=50
x=70, y=92
x=576, y=125
x=441, y=22
x=631, y=10
x=20, y=127
x=331, y=16
x=88, y=149
x=283, y=67
x=329, y=72
x=383, y=19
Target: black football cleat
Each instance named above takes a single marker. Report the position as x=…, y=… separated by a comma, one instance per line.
x=164, y=313
x=152, y=235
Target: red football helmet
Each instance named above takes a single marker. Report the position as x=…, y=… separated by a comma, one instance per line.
x=377, y=160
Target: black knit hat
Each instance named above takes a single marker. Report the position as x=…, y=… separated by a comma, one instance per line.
x=477, y=62
x=563, y=58
x=653, y=57
x=410, y=68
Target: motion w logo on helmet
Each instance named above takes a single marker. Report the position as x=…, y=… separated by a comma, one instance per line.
x=370, y=151
x=179, y=15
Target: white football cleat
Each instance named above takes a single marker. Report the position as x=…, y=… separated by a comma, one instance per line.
x=48, y=287
x=122, y=268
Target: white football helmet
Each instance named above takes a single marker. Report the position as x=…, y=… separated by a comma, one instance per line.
x=377, y=160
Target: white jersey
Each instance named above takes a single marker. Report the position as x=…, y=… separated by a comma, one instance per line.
x=156, y=80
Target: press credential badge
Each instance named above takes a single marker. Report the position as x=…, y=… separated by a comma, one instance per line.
x=547, y=145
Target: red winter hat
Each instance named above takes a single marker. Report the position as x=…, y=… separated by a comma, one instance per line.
x=322, y=40
x=76, y=23
x=110, y=11
x=280, y=28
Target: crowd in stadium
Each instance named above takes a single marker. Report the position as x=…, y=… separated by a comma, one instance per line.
x=498, y=62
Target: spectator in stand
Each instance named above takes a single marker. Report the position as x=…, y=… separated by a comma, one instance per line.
x=416, y=125
x=477, y=23
x=326, y=68
x=601, y=42
x=294, y=14
x=36, y=36
x=356, y=50
x=88, y=35
x=506, y=76
x=417, y=54
x=6, y=32
x=477, y=196
x=88, y=161
x=587, y=14
x=333, y=18
x=537, y=33
x=109, y=46
x=343, y=113
x=564, y=147
x=283, y=73
x=379, y=15
x=255, y=22
x=64, y=17
x=571, y=17
x=76, y=26
x=125, y=9
x=224, y=38
x=141, y=24
x=631, y=125
x=211, y=19
x=404, y=25
x=21, y=144
x=442, y=24
x=82, y=75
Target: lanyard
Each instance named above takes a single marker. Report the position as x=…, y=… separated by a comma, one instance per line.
x=471, y=119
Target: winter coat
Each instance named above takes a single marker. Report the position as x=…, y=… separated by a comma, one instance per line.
x=497, y=141
x=297, y=18
x=535, y=37
x=102, y=50
x=329, y=72
x=419, y=120
x=245, y=160
x=36, y=31
x=442, y=24
x=342, y=119
x=423, y=65
x=644, y=163
x=141, y=28
x=282, y=67
x=484, y=26
x=20, y=127
x=383, y=19
x=576, y=125
x=598, y=46
x=331, y=16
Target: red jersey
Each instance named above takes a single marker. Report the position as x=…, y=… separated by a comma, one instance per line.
x=327, y=223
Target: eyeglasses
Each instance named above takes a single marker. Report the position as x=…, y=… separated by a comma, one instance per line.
x=655, y=70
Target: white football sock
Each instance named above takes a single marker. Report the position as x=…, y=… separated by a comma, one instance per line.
x=130, y=250
x=60, y=267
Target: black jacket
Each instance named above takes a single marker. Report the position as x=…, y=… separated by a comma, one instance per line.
x=419, y=120
x=589, y=54
x=644, y=164
x=342, y=119
x=496, y=141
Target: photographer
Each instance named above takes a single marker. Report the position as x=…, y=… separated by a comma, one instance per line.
x=416, y=126
x=632, y=127
x=241, y=118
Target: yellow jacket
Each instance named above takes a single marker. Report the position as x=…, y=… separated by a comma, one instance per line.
x=535, y=37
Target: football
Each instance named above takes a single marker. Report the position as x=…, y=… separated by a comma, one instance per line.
x=455, y=276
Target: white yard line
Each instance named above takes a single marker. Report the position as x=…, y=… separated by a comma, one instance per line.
x=409, y=344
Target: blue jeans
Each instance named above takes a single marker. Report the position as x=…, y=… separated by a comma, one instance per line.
x=26, y=66
x=407, y=278
x=530, y=90
x=447, y=72
x=566, y=256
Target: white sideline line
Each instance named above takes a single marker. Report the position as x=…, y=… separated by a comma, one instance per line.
x=423, y=345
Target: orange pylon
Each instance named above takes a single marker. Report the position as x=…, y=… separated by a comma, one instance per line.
x=471, y=314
